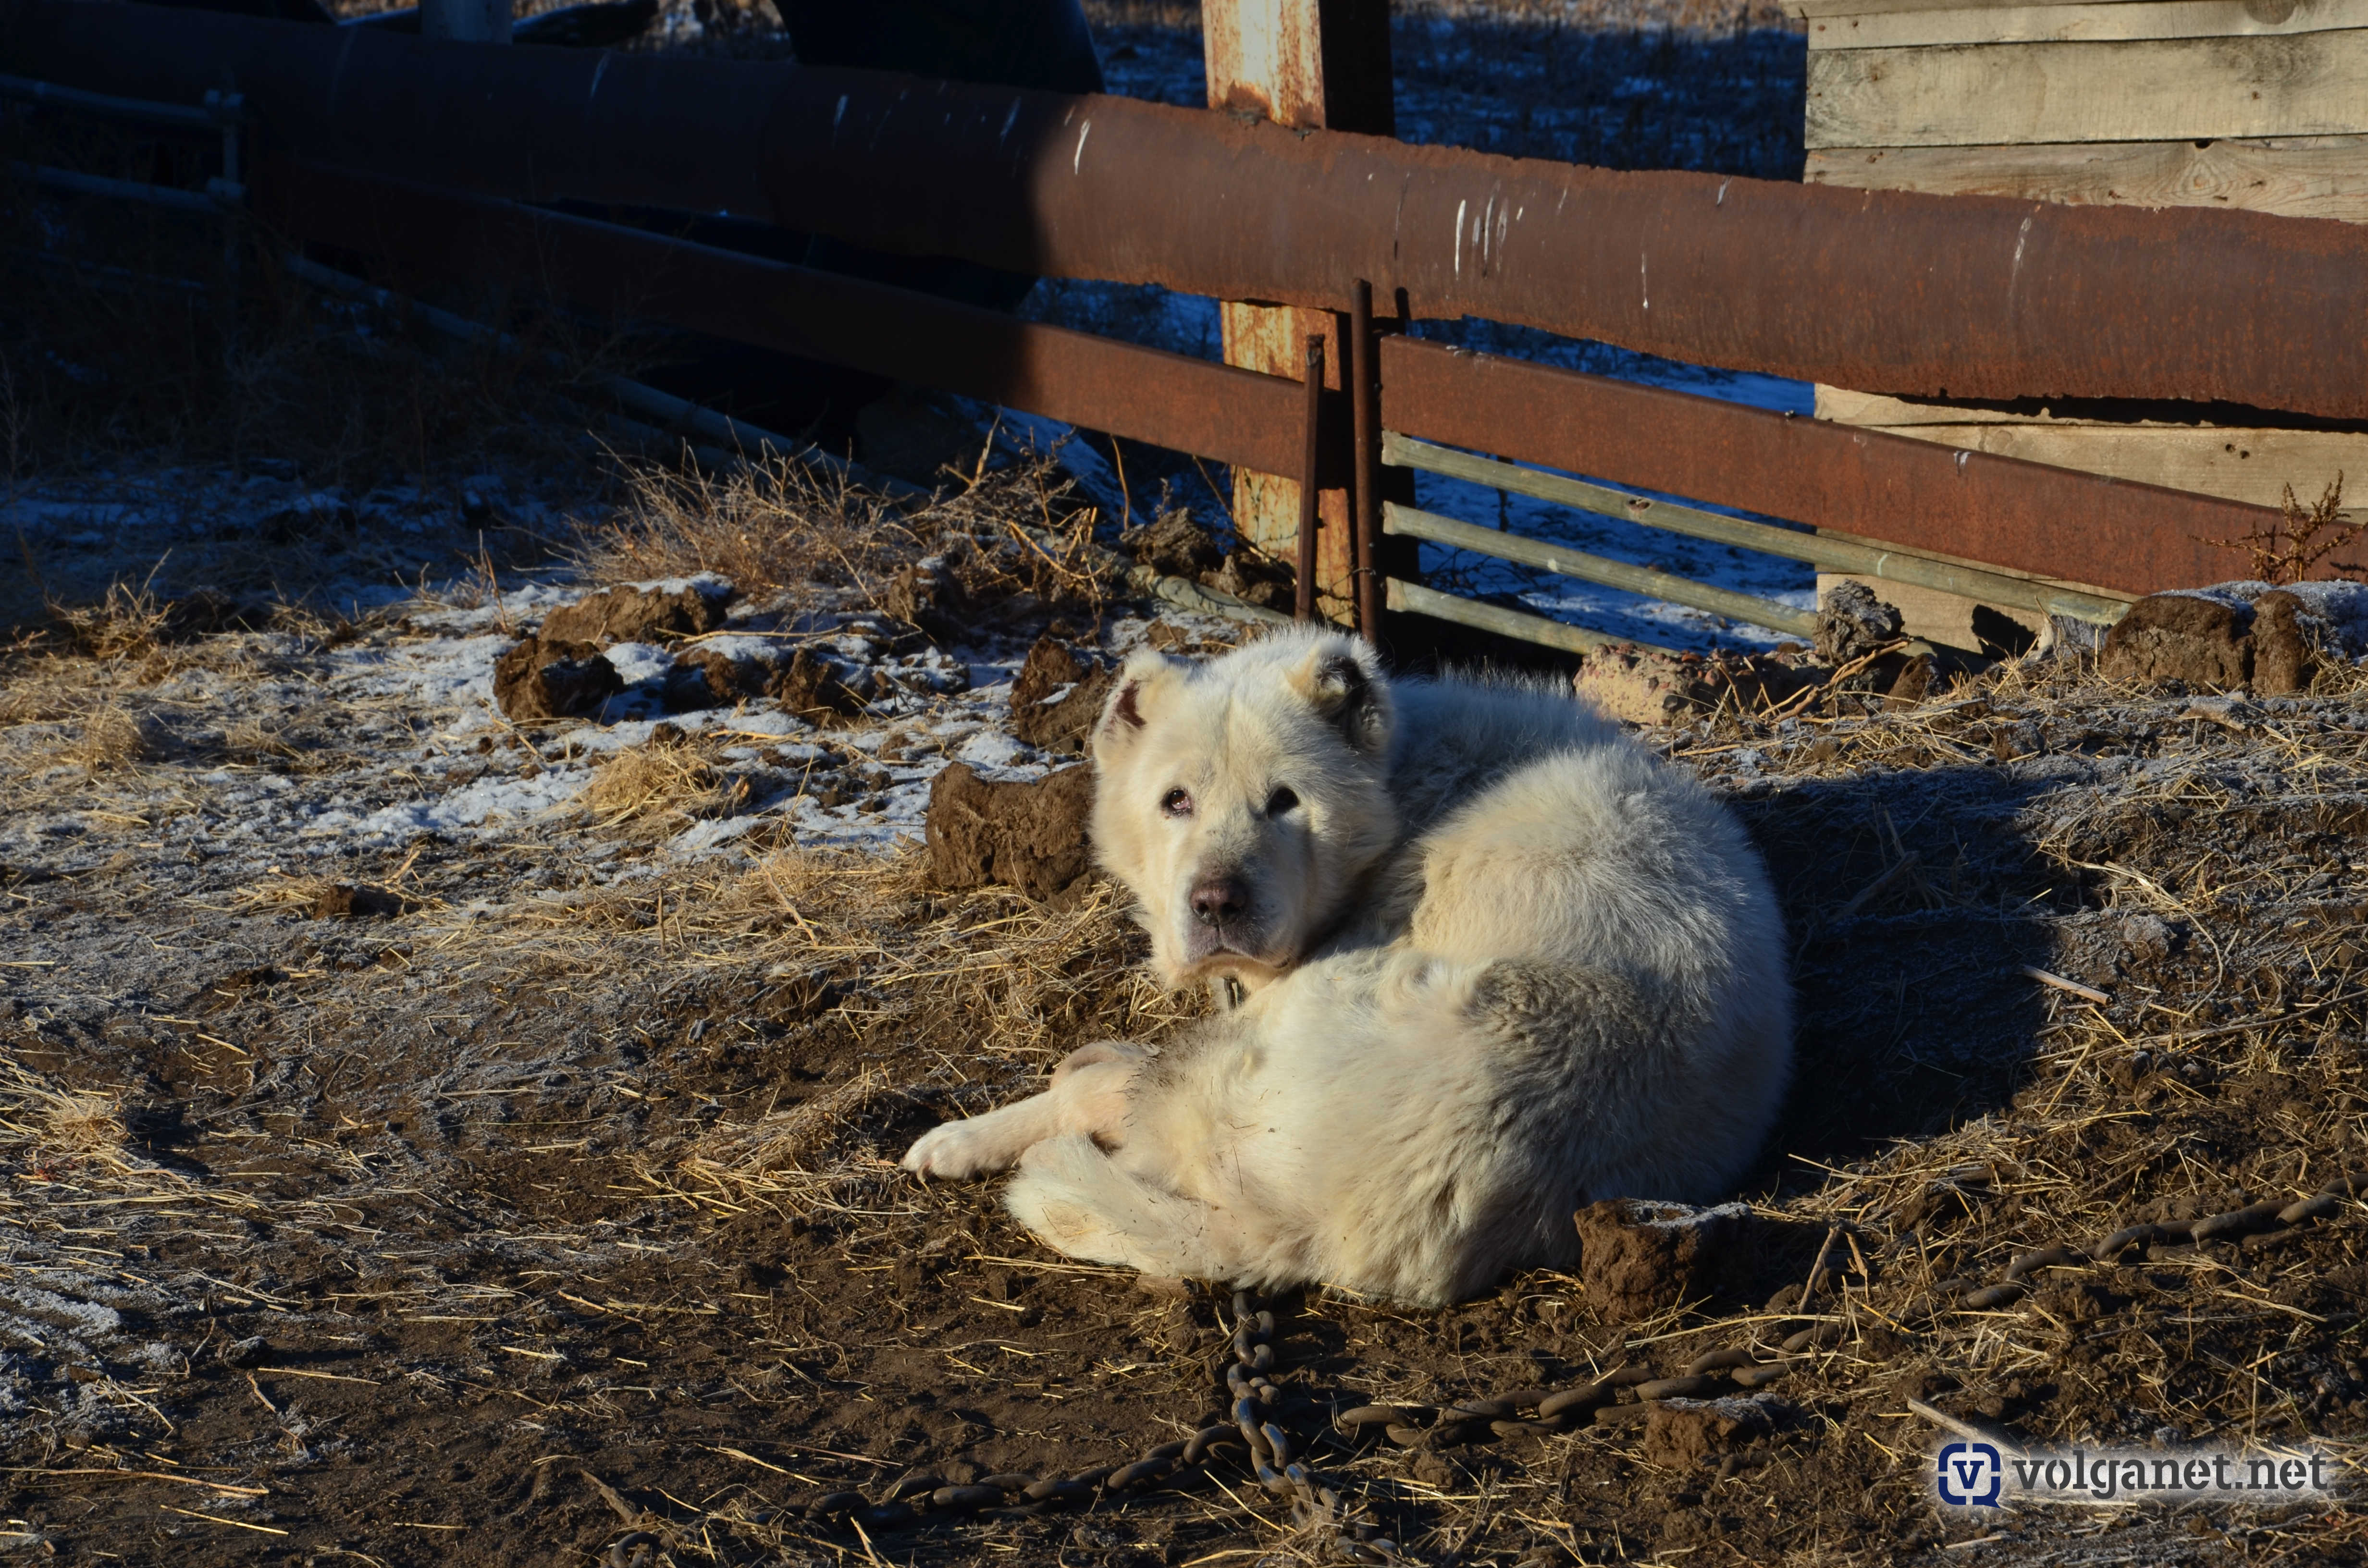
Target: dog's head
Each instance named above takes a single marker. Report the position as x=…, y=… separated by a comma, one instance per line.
x=1243, y=799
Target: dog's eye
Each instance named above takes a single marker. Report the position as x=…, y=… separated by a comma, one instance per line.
x=1176, y=804
x=1281, y=801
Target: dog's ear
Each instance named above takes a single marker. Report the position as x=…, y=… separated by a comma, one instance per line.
x=1142, y=681
x=1342, y=681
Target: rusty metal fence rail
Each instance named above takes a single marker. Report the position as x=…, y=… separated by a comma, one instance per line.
x=412, y=152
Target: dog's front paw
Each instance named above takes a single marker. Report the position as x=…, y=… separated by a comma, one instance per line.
x=956, y=1151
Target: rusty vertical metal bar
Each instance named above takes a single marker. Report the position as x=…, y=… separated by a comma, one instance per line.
x=1365, y=485
x=1310, y=480
x=1307, y=65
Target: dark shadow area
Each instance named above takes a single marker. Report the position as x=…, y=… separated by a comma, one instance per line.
x=1912, y=900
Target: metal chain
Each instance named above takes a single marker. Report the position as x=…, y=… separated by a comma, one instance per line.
x=1255, y=1428
x=2256, y=1228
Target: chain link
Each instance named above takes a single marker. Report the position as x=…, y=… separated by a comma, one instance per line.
x=1626, y=1394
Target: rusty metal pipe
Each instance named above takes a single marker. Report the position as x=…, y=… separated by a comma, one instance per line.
x=1146, y=394
x=1885, y=291
x=1309, y=477
x=2073, y=528
x=1824, y=550
x=1365, y=493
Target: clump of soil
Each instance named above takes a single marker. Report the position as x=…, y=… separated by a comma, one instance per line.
x=929, y=595
x=1177, y=546
x=544, y=678
x=640, y=615
x=1852, y=623
x=1639, y=1259
x=1682, y=1432
x=702, y=678
x=1174, y=546
x=1030, y=835
x=811, y=688
x=1058, y=695
x=342, y=901
x=2217, y=644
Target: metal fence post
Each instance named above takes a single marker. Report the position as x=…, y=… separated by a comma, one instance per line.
x=1365, y=377
x=1310, y=473
x=1312, y=65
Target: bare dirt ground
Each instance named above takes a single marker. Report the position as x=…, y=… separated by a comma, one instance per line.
x=521, y=1183
x=430, y=1137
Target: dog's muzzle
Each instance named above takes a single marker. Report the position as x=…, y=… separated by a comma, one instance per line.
x=1220, y=901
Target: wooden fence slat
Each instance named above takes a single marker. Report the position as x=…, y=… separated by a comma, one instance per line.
x=2314, y=177
x=2310, y=84
x=1968, y=23
x=1814, y=8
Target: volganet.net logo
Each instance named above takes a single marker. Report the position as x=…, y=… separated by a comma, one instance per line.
x=1969, y=1474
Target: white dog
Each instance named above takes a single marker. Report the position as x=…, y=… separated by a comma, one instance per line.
x=1498, y=963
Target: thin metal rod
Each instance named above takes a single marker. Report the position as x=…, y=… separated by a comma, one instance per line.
x=1822, y=551
x=1365, y=489
x=1310, y=513
x=733, y=438
x=215, y=199
x=1414, y=524
x=49, y=93
x=1413, y=598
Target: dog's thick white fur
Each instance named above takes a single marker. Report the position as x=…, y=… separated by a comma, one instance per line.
x=1499, y=962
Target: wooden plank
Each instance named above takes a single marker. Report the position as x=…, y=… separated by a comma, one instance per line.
x=2092, y=22
x=1814, y=8
x=1844, y=406
x=2300, y=176
x=2151, y=90
x=2252, y=466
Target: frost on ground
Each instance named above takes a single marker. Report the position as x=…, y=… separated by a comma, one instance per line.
x=291, y=743
x=435, y=1138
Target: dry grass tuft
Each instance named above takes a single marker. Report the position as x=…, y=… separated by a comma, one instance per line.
x=112, y=737
x=55, y=1134
x=663, y=786
x=128, y=622
x=1017, y=539
x=772, y=524
x=820, y=1154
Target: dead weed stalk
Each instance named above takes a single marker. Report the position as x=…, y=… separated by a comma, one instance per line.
x=2300, y=536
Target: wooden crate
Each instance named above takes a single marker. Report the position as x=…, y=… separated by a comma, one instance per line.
x=2253, y=104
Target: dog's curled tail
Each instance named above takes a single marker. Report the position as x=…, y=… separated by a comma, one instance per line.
x=1079, y=1201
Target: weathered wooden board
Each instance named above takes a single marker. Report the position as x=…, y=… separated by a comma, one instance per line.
x=2298, y=177
x=2090, y=22
x=2253, y=465
x=1813, y=8
x=2150, y=90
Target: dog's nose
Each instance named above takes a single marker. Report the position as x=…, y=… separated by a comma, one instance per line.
x=1220, y=899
